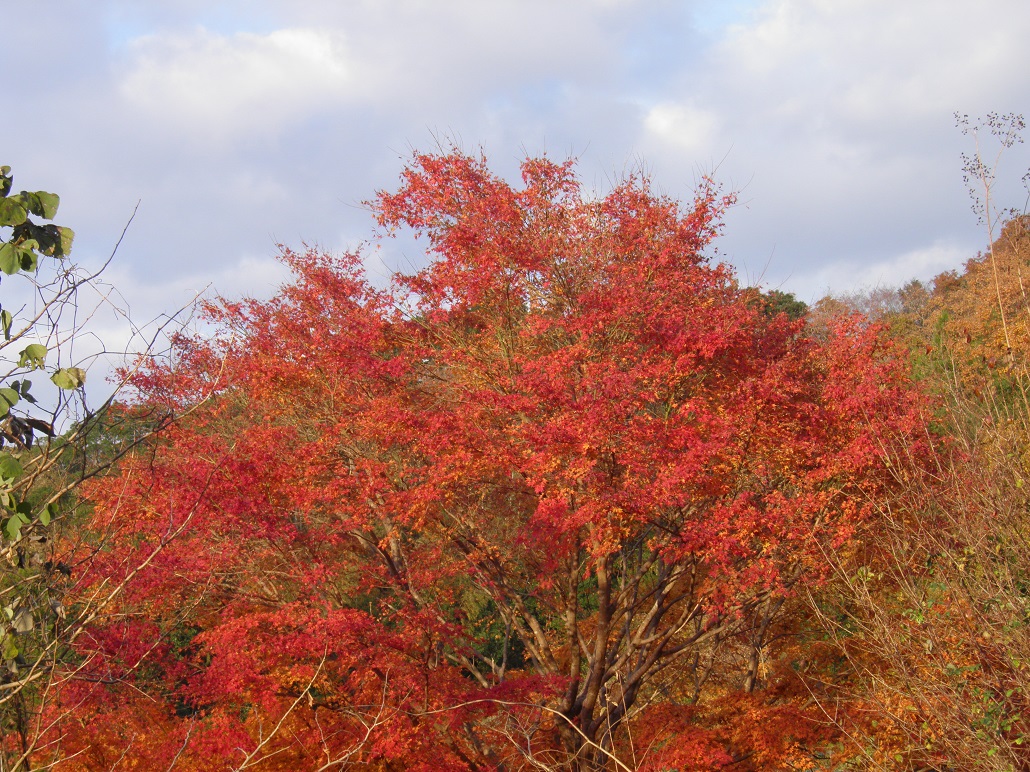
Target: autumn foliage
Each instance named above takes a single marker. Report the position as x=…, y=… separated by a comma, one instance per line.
x=931, y=618
x=556, y=499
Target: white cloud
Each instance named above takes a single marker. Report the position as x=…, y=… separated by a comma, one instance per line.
x=240, y=124
x=246, y=276
x=922, y=263
x=686, y=127
x=870, y=60
x=125, y=311
x=217, y=85
x=839, y=116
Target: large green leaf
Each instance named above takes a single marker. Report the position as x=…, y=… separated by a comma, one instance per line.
x=44, y=238
x=48, y=239
x=10, y=467
x=67, y=378
x=10, y=258
x=67, y=235
x=44, y=204
x=16, y=257
x=33, y=355
x=13, y=524
x=8, y=399
x=13, y=211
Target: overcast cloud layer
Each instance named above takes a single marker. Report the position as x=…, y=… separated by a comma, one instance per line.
x=242, y=124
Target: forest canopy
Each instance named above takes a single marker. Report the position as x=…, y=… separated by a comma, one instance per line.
x=568, y=497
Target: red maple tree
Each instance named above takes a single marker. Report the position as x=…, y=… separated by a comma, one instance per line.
x=551, y=487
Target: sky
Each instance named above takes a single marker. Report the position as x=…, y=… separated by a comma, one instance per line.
x=237, y=126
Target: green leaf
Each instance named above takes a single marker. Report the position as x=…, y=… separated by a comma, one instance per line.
x=28, y=257
x=33, y=355
x=6, y=321
x=44, y=204
x=67, y=235
x=17, y=257
x=47, y=239
x=47, y=514
x=10, y=467
x=10, y=258
x=32, y=237
x=21, y=388
x=40, y=203
x=9, y=395
x=12, y=527
x=8, y=648
x=13, y=211
x=67, y=378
